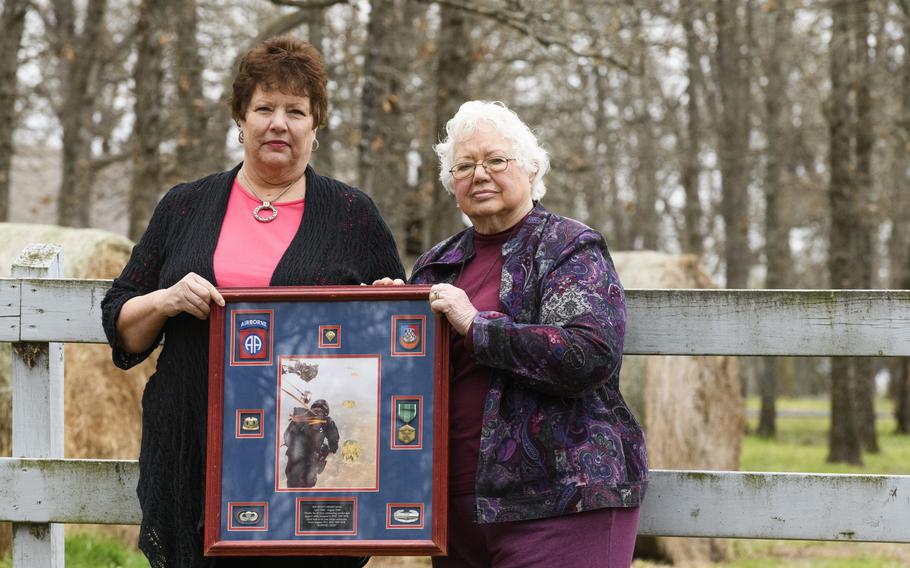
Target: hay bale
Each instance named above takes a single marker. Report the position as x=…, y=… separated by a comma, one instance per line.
x=102, y=403
x=87, y=253
x=103, y=416
x=691, y=407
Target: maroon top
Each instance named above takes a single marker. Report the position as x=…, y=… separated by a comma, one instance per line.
x=470, y=382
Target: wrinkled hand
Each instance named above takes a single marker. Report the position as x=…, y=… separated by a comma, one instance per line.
x=388, y=282
x=454, y=304
x=193, y=295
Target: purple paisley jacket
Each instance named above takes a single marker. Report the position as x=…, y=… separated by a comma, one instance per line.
x=557, y=436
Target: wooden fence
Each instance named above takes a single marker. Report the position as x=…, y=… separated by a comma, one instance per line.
x=39, y=489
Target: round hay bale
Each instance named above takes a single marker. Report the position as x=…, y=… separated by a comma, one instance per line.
x=87, y=253
x=103, y=416
x=691, y=408
x=102, y=403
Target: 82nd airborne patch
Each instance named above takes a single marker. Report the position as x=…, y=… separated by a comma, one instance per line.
x=251, y=337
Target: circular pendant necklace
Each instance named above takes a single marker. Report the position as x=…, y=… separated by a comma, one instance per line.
x=265, y=204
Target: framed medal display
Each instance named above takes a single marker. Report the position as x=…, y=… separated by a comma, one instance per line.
x=327, y=423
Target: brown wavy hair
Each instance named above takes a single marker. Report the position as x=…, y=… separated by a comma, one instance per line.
x=290, y=65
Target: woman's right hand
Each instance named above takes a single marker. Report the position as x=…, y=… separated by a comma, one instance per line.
x=193, y=294
x=388, y=282
x=142, y=318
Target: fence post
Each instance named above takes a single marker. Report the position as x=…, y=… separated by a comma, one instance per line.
x=38, y=412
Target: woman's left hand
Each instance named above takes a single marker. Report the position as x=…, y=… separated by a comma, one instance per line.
x=454, y=304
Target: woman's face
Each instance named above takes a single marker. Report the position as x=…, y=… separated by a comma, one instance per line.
x=278, y=132
x=493, y=201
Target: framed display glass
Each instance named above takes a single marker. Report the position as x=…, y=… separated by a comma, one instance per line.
x=327, y=423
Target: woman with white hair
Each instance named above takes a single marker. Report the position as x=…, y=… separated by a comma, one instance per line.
x=547, y=464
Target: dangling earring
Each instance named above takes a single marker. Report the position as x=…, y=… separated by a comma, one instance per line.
x=240, y=136
x=315, y=144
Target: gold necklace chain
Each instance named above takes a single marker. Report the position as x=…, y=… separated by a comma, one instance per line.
x=266, y=204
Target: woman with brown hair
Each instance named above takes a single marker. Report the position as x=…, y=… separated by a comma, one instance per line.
x=270, y=221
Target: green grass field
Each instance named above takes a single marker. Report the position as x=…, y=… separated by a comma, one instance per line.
x=801, y=445
x=802, y=442
x=95, y=551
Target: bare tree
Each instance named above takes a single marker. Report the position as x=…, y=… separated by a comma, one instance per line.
x=383, y=166
x=80, y=54
x=193, y=158
x=603, y=200
x=863, y=261
x=849, y=240
x=317, y=36
x=641, y=93
x=777, y=241
x=453, y=66
x=733, y=145
x=900, y=374
x=692, y=238
x=148, y=77
x=900, y=220
x=12, y=22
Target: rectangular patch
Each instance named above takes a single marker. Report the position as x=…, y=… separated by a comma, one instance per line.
x=252, y=334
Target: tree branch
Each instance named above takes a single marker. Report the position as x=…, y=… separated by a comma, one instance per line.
x=106, y=160
x=309, y=4
x=508, y=19
x=282, y=25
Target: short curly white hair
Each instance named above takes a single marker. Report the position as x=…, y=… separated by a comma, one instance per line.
x=528, y=154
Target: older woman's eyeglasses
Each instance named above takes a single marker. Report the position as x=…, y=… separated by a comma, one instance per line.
x=492, y=165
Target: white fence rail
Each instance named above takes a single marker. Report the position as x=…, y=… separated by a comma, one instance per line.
x=39, y=489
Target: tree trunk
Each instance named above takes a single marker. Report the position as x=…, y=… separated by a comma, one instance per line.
x=80, y=55
x=382, y=161
x=452, y=69
x=194, y=158
x=900, y=374
x=777, y=242
x=148, y=76
x=617, y=213
x=323, y=157
x=12, y=22
x=606, y=212
x=845, y=237
x=843, y=438
x=863, y=257
x=767, y=416
x=777, y=235
x=417, y=127
x=646, y=221
x=733, y=84
x=13, y=25
x=900, y=226
x=692, y=237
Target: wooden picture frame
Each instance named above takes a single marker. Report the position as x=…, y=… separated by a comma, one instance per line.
x=327, y=423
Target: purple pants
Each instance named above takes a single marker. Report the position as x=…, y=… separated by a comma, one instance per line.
x=604, y=538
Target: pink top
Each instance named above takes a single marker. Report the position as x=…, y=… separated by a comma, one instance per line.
x=248, y=250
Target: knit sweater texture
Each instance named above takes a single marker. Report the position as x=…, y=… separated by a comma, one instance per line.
x=341, y=240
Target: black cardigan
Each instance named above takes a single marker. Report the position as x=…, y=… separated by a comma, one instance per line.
x=342, y=239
